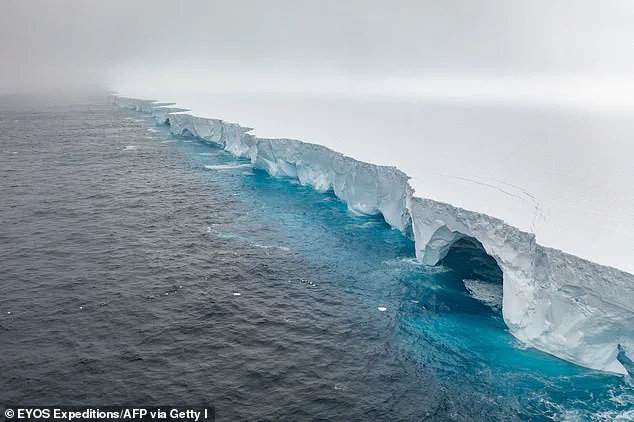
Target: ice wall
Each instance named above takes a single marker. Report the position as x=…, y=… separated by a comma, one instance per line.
x=160, y=113
x=556, y=302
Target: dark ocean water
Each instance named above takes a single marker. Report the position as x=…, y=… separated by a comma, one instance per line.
x=140, y=269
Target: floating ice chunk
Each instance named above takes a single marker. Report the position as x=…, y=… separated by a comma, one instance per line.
x=236, y=294
x=226, y=166
x=382, y=308
x=488, y=293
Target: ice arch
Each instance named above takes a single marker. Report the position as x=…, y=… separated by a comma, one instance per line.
x=468, y=258
x=438, y=226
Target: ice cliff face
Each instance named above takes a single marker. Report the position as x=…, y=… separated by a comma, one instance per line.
x=558, y=303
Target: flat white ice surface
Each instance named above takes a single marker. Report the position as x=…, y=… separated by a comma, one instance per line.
x=564, y=174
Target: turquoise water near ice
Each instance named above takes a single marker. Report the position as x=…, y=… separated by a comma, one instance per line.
x=143, y=269
x=433, y=318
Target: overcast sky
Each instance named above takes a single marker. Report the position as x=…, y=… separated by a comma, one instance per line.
x=577, y=53
x=328, y=44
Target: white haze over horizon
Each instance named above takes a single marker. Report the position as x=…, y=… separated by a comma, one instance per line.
x=536, y=97
x=567, y=52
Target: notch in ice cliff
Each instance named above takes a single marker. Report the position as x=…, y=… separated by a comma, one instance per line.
x=569, y=307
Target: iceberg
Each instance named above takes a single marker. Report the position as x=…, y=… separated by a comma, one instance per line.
x=556, y=302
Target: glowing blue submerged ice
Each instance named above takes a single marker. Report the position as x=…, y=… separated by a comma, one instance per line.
x=572, y=308
x=431, y=310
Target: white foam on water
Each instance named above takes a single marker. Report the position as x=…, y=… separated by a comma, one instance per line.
x=130, y=148
x=370, y=224
x=282, y=248
x=210, y=154
x=224, y=235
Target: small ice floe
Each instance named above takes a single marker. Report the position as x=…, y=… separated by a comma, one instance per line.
x=9, y=313
x=81, y=308
x=211, y=154
x=382, y=308
x=340, y=386
x=226, y=166
x=488, y=293
x=130, y=148
x=414, y=301
x=236, y=294
x=151, y=129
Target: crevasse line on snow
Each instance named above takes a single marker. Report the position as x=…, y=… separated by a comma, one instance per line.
x=569, y=307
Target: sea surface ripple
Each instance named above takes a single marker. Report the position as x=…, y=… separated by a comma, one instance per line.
x=136, y=268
